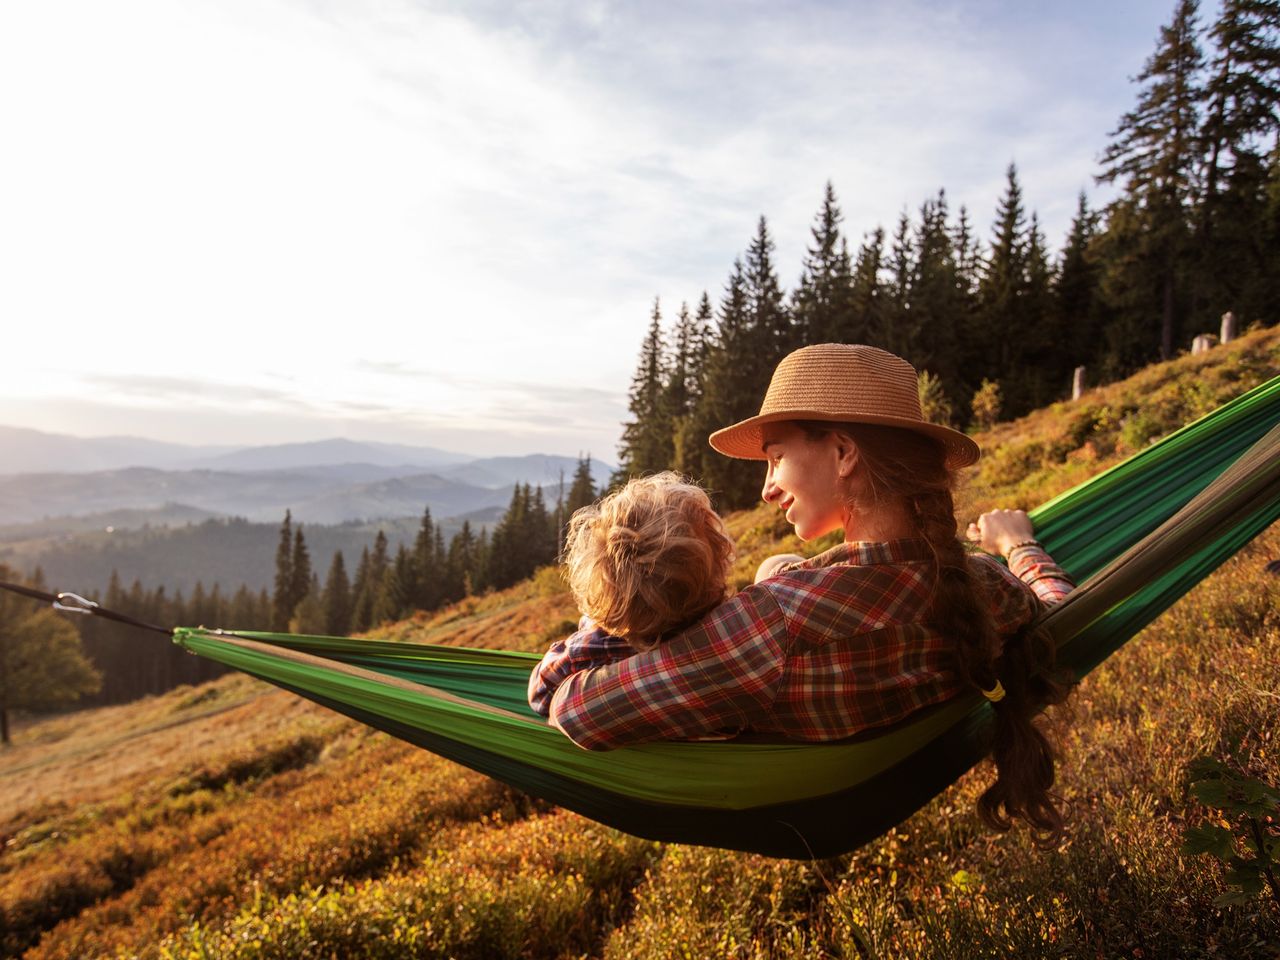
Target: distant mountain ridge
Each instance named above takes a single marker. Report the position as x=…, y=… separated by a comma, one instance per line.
x=34, y=451
x=329, y=494
x=25, y=451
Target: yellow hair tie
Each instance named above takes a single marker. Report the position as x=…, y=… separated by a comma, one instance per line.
x=995, y=694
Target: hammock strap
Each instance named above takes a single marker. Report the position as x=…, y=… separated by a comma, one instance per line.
x=74, y=603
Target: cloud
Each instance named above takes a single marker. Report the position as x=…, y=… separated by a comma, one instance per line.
x=183, y=390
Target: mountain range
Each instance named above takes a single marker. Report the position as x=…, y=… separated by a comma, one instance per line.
x=44, y=477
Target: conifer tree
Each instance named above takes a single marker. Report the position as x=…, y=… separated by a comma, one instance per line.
x=461, y=562
x=1042, y=369
x=309, y=615
x=689, y=443
x=1154, y=156
x=336, y=598
x=729, y=394
x=300, y=569
x=1242, y=97
x=898, y=333
x=428, y=588
x=1242, y=92
x=823, y=307
x=681, y=388
x=394, y=597
x=1003, y=341
x=282, y=599
x=968, y=257
x=771, y=331
x=935, y=301
x=1077, y=295
x=362, y=592
x=869, y=321
x=582, y=491
x=646, y=439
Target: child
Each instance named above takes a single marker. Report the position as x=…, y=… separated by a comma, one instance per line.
x=643, y=563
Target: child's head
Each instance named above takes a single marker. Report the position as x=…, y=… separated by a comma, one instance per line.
x=648, y=558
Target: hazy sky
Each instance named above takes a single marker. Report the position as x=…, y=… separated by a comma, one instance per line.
x=261, y=221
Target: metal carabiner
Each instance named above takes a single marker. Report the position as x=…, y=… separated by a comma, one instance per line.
x=81, y=605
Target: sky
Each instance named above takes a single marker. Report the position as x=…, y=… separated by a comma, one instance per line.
x=445, y=223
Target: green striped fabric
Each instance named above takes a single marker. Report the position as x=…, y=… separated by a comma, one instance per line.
x=1132, y=536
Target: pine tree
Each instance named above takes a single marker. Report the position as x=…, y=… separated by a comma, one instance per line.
x=300, y=570
x=822, y=304
x=968, y=256
x=869, y=322
x=309, y=615
x=336, y=598
x=428, y=589
x=681, y=388
x=1077, y=295
x=394, y=597
x=689, y=441
x=462, y=562
x=1242, y=94
x=646, y=439
x=771, y=331
x=506, y=558
x=1003, y=282
x=363, y=591
x=729, y=394
x=1042, y=368
x=1154, y=156
x=898, y=333
x=935, y=300
x=582, y=491
x=282, y=599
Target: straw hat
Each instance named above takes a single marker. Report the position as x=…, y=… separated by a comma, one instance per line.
x=843, y=383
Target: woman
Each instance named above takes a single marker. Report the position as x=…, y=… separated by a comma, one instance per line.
x=895, y=619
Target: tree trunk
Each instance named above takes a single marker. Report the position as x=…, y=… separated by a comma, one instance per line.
x=1166, y=321
x=4, y=726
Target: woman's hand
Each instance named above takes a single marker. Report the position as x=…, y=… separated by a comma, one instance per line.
x=771, y=564
x=1001, y=530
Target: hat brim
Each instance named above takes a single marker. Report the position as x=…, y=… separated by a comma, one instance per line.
x=745, y=440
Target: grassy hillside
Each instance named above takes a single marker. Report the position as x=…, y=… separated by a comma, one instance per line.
x=233, y=820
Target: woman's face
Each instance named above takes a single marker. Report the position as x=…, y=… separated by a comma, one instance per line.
x=806, y=478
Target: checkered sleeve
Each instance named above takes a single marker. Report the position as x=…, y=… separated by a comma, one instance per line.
x=1034, y=567
x=588, y=647
x=720, y=675
x=1018, y=594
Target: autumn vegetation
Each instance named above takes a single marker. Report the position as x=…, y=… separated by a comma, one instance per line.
x=232, y=820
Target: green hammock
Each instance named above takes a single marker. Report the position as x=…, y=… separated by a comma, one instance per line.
x=1136, y=538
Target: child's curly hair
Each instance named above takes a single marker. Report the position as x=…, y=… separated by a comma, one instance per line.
x=648, y=558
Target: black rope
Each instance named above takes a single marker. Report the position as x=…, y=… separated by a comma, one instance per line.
x=74, y=603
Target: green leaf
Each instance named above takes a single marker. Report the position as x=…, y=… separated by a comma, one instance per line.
x=1212, y=840
x=1248, y=880
x=1204, y=767
x=1231, y=899
x=1211, y=792
x=1255, y=791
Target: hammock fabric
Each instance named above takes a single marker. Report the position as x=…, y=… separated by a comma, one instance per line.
x=1135, y=537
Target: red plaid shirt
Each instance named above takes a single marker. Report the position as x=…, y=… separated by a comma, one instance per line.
x=820, y=651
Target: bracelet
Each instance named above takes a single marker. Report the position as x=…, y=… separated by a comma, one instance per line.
x=1024, y=543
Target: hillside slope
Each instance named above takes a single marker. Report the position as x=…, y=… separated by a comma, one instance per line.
x=233, y=820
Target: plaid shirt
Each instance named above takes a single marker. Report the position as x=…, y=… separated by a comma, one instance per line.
x=819, y=651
